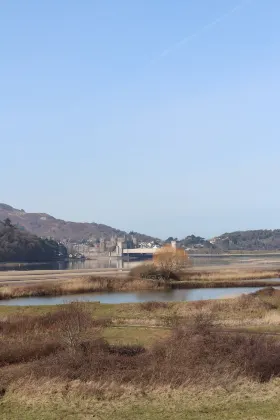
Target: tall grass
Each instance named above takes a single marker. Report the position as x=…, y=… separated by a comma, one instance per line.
x=89, y=284
x=227, y=275
x=200, y=284
x=149, y=270
x=144, y=277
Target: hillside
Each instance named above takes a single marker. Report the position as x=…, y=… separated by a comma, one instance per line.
x=251, y=240
x=195, y=244
x=21, y=246
x=44, y=225
x=47, y=226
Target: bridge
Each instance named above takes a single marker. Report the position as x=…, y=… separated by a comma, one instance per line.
x=139, y=253
x=136, y=253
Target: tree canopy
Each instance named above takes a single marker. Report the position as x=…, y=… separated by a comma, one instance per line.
x=21, y=246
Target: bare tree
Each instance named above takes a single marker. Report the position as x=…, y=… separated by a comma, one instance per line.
x=76, y=325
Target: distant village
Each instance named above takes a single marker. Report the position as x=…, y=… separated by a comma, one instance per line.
x=94, y=248
x=91, y=249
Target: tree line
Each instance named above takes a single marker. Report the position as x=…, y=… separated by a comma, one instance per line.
x=17, y=245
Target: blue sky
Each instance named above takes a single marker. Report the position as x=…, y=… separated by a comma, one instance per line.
x=155, y=115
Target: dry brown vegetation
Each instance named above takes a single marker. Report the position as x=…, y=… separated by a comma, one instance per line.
x=143, y=277
x=150, y=271
x=88, y=284
x=62, y=355
x=226, y=275
x=222, y=284
x=168, y=264
x=67, y=344
x=190, y=278
x=153, y=305
x=25, y=339
x=193, y=355
x=171, y=261
x=243, y=311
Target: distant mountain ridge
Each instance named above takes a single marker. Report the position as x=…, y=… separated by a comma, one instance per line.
x=248, y=240
x=251, y=240
x=47, y=226
x=44, y=225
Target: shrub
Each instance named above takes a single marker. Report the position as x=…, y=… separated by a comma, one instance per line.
x=151, y=271
x=27, y=338
x=126, y=350
x=171, y=260
x=197, y=353
x=22, y=350
x=66, y=344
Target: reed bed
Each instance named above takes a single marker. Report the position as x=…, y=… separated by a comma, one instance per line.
x=90, y=284
x=187, y=280
x=225, y=275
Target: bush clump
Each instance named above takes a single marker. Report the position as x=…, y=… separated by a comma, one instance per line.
x=151, y=271
x=67, y=345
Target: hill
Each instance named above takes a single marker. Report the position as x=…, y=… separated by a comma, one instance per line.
x=251, y=240
x=47, y=226
x=44, y=225
x=21, y=246
x=195, y=244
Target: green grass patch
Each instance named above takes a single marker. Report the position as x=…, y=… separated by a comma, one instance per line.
x=135, y=335
x=258, y=403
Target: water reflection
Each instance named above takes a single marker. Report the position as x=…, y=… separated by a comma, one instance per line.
x=71, y=265
x=135, y=297
x=197, y=261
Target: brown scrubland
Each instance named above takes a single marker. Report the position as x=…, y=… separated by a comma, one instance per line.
x=68, y=344
x=83, y=359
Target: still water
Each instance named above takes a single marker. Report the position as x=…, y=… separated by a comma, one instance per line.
x=135, y=297
x=197, y=261
x=62, y=265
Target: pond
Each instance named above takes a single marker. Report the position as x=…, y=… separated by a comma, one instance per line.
x=176, y=295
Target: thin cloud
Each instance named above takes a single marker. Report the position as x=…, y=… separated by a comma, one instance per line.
x=203, y=29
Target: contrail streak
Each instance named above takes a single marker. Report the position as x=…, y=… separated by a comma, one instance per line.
x=201, y=30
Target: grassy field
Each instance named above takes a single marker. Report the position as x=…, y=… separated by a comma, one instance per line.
x=177, y=360
x=49, y=401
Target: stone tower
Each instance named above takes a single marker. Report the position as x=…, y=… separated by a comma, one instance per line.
x=102, y=246
x=119, y=247
x=135, y=241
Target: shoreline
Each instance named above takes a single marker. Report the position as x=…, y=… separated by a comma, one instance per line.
x=95, y=284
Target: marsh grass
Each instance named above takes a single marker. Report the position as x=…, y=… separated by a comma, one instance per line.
x=136, y=282
x=227, y=275
x=88, y=284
